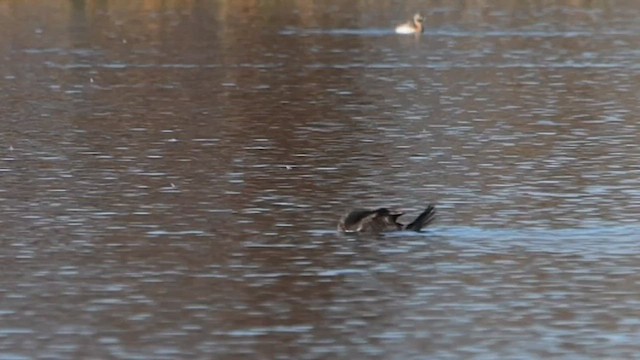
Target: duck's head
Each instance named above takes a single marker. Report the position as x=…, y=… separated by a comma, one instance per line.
x=418, y=18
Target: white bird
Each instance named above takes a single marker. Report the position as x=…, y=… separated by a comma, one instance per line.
x=414, y=26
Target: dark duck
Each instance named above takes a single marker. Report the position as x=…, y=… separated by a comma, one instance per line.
x=382, y=220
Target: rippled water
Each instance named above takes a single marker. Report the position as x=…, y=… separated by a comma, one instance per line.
x=171, y=175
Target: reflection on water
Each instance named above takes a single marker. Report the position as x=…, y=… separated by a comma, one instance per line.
x=171, y=174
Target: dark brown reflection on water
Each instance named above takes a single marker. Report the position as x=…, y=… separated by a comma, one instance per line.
x=171, y=173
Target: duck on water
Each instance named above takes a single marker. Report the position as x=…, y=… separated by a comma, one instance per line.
x=382, y=220
x=413, y=26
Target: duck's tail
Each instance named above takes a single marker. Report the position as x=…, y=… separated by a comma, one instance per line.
x=423, y=219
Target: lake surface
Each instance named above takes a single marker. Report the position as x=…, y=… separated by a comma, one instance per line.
x=171, y=174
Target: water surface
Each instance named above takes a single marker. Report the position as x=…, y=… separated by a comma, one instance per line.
x=171, y=174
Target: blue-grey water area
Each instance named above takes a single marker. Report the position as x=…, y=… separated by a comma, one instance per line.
x=172, y=172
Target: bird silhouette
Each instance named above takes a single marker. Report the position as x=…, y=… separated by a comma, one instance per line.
x=382, y=220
